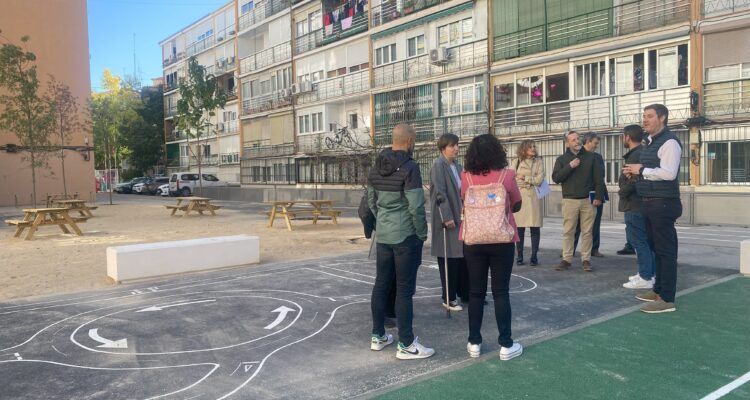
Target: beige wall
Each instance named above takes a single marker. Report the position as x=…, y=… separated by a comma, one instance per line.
x=59, y=37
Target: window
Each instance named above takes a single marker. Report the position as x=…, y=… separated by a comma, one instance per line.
x=557, y=87
x=668, y=67
x=353, y=120
x=727, y=162
x=415, y=46
x=461, y=96
x=590, y=80
x=628, y=74
x=246, y=7
x=503, y=96
x=529, y=90
x=265, y=87
x=456, y=33
x=317, y=122
x=385, y=54
x=316, y=21
x=302, y=28
x=728, y=72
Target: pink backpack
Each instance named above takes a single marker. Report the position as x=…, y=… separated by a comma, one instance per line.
x=485, y=219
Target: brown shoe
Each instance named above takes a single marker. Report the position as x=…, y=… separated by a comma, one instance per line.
x=597, y=254
x=647, y=296
x=658, y=306
x=563, y=266
x=587, y=266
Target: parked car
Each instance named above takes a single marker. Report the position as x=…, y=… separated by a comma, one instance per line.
x=138, y=187
x=186, y=183
x=151, y=186
x=127, y=187
x=163, y=190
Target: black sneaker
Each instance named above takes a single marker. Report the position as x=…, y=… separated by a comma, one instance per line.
x=626, y=251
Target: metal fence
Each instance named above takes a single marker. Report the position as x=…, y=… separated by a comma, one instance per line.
x=272, y=55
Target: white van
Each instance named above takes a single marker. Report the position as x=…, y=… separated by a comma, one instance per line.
x=186, y=183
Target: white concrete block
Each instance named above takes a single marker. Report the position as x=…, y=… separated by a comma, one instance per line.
x=148, y=260
x=745, y=257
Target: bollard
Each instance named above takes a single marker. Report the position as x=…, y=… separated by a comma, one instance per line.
x=745, y=257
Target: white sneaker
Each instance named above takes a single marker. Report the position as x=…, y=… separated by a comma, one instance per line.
x=507, y=353
x=414, y=351
x=633, y=277
x=474, y=349
x=379, y=343
x=454, y=306
x=639, y=283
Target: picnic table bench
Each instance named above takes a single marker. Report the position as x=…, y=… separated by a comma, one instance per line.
x=35, y=217
x=76, y=205
x=199, y=204
x=321, y=209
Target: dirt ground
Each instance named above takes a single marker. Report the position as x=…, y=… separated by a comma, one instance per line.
x=53, y=262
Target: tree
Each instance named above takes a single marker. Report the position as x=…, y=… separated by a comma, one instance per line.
x=143, y=133
x=66, y=119
x=200, y=96
x=25, y=112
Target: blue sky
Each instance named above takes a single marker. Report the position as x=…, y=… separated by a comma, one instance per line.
x=112, y=24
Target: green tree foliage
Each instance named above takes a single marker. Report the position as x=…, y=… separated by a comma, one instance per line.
x=24, y=111
x=200, y=97
x=143, y=132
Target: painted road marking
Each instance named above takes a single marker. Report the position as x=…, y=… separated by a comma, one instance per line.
x=159, y=308
x=726, y=389
x=106, y=343
x=283, y=311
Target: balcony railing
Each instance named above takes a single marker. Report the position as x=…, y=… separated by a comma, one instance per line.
x=200, y=45
x=173, y=59
x=727, y=99
x=232, y=126
x=229, y=158
x=262, y=148
x=717, y=7
x=170, y=111
x=590, y=114
x=347, y=141
x=428, y=130
x=280, y=52
x=338, y=31
x=265, y=103
x=308, y=41
x=222, y=66
x=392, y=10
x=460, y=58
x=344, y=85
x=212, y=159
x=262, y=11
x=631, y=17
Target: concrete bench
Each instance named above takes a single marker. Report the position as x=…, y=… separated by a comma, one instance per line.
x=745, y=257
x=149, y=260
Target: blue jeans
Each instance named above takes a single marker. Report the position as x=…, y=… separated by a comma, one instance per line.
x=397, y=262
x=635, y=231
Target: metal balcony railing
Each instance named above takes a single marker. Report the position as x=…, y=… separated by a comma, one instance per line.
x=200, y=45
x=717, y=7
x=338, y=31
x=278, y=53
x=428, y=130
x=212, y=159
x=345, y=85
x=345, y=140
x=229, y=158
x=590, y=114
x=460, y=58
x=391, y=10
x=232, y=126
x=262, y=10
x=265, y=103
x=222, y=66
x=623, y=19
x=308, y=41
x=173, y=59
x=727, y=99
x=263, y=148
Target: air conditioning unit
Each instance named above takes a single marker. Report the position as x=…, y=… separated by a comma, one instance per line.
x=231, y=32
x=220, y=127
x=220, y=38
x=305, y=87
x=439, y=56
x=295, y=88
x=287, y=92
x=231, y=59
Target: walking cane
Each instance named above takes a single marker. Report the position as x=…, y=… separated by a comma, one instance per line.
x=439, y=199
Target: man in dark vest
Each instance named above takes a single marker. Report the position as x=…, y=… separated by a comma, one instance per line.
x=659, y=189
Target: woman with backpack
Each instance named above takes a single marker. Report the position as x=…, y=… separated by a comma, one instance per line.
x=529, y=176
x=490, y=196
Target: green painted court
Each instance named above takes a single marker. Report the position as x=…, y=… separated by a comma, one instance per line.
x=702, y=351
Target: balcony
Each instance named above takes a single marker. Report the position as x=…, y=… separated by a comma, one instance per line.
x=599, y=113
x=200, y=45
x=391, y=10
x=173, y=59
x=170, y=111
x=308, y=41
x=338, y=31
x=262, y=148
x=175, y=135
x=345, y=85
x=231, y=127
x=346, y=141
x=428, y=130
x=222, y=66
x=276, y=54
x=212, y=159
x=727, y=100
x=460, y=58
x=634, y=16
x=262, y=11
x=265, y=103
x=229, y=158
x=718, y=7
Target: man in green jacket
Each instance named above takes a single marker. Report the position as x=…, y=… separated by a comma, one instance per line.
x=396, y=197
x=577, y=170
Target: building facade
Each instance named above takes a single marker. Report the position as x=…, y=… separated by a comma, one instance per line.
x=61, y=50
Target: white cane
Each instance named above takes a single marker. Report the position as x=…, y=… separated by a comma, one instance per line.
x=439, y=199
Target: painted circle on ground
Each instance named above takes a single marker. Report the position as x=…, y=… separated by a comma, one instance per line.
x=187, y=325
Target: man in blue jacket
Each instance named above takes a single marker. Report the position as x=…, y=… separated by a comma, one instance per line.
x=396, y=197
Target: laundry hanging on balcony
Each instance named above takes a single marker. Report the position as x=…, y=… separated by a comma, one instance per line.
x=342, y=14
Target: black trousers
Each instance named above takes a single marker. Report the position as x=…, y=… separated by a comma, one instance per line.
x=536, y=235
x=458, y=278
x=660, y=216
x=497, y=259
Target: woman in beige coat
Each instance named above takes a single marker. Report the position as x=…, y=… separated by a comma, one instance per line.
x=529, y=175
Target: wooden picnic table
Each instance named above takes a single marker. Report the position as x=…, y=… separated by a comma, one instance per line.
x=318, y=209
x=199, y=204
x=77, y=205
x=52, y=198
x=33, y=218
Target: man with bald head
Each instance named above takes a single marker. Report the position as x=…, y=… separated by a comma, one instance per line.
x=396, y=197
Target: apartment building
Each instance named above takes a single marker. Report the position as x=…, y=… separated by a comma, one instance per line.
x=212, y=40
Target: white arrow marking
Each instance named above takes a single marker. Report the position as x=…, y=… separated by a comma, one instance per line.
x=106, y=343
x=18, y=356
x=159, y=308
x=283, y=311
